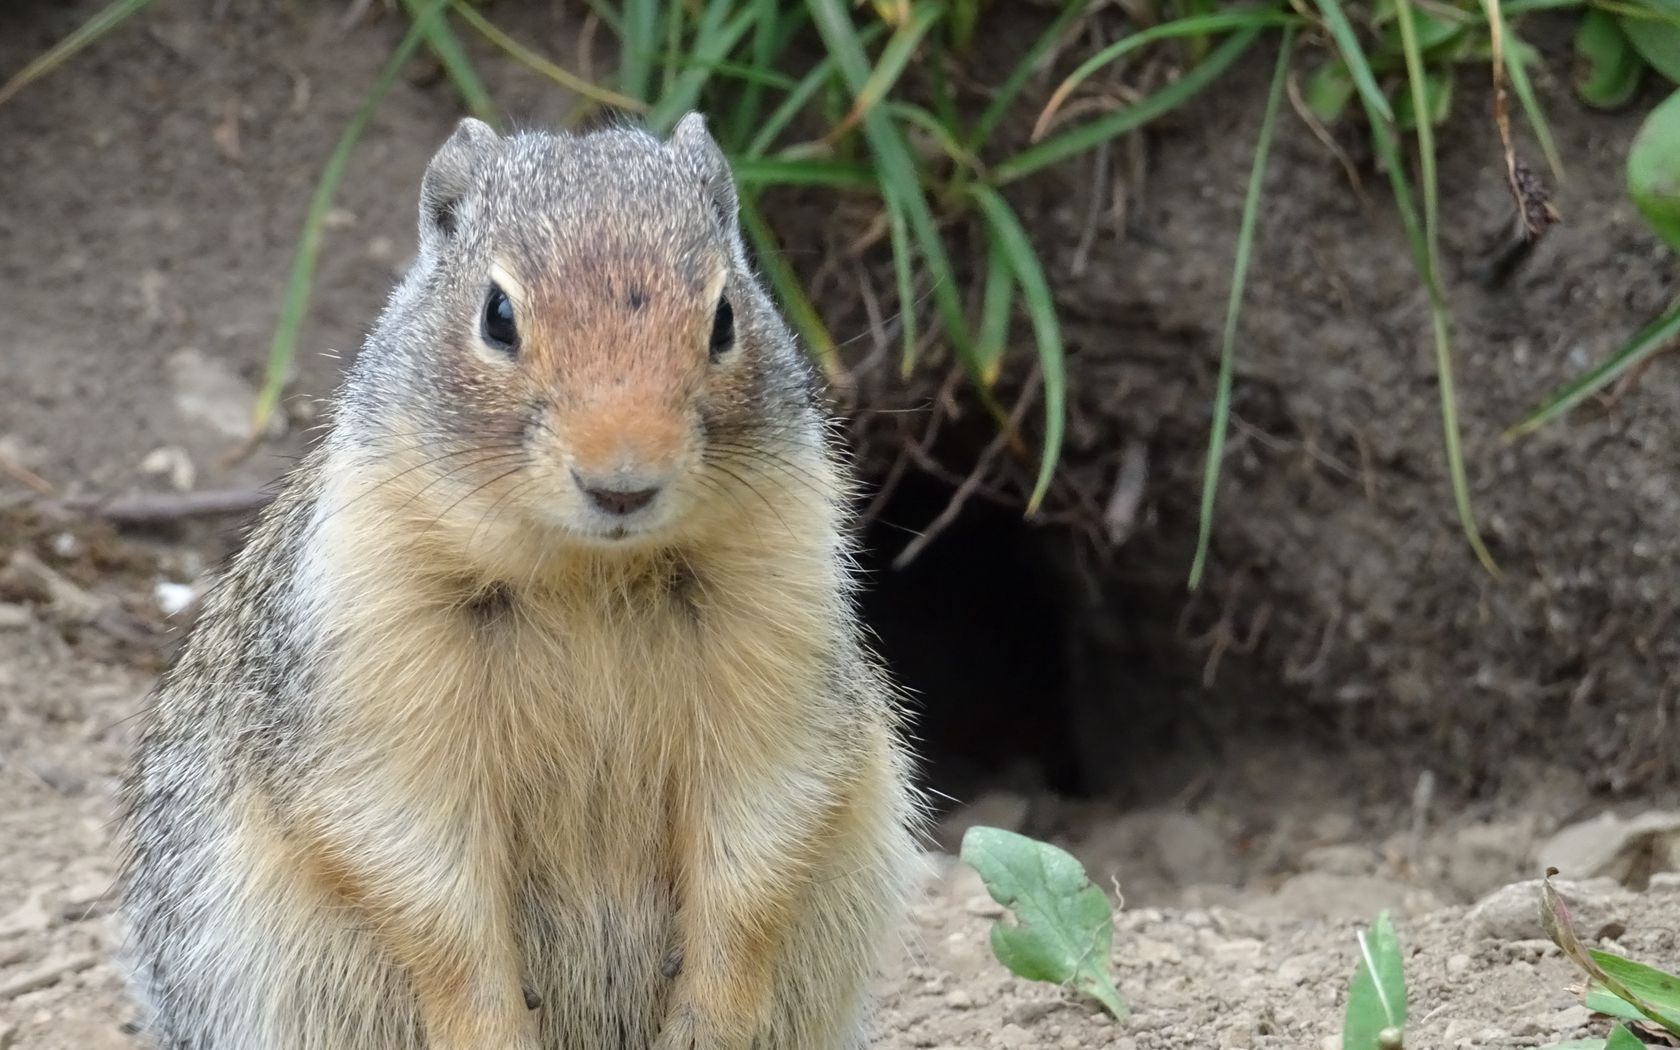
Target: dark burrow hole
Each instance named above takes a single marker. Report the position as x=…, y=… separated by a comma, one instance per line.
x=1034, y=664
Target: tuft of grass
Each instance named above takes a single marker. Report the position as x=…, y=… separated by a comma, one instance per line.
x=295, y=302
x=1233, y=307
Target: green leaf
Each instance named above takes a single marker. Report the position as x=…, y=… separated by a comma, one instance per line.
x=1657, y=336
x=1659, y=991
x=1063, y=928
x=638, y=44
x=1377, y=997
x=1657, y=42
x=1437, y=92
x=1434, y=35
x=1041, y=311
x=1622, y=1039
x=1607, y=67
x=904, y=271
x=106, y=19
x=774, y=171
x=801, y=96
x=1233, y=307
x=1601, y=1000
x=1328, y=91
x=1653, y=169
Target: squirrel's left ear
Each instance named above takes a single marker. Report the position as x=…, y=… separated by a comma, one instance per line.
x=695, y=144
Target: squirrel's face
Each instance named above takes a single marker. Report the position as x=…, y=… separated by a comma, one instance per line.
x=594, y=355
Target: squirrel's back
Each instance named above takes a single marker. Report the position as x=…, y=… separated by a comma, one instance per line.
x=542, y=682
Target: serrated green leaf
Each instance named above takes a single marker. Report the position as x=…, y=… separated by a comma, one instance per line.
x=1607, y=67
x=1657, y=42
x=1653, y=169
x=1063, y=926
x=1437, y=91
x=1329, y=91
x=1377, y=997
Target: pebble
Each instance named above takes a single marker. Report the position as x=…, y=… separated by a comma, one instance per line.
x=1512, y=913
x=1013, y=1037
x=1458, y=963
x=959, y=1000
x=14, y=617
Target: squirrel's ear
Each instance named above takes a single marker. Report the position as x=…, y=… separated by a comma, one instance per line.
x=694, y=143
x=449, y=176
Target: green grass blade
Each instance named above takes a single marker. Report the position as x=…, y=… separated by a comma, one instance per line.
x=904, y=272
x=1041, y=311
x=774, y=171
x=1513, y=8
x=1195, y=26
x=1004, y=96
x=296, y=300
x=937, y=130
x=525, y=56
x=1347, y=42
x=1655, y=337
x=713, y=39
x=763, y=56
x=1428, y=262
x=901, y=47
x=447, y=47
x=608, y=13
x=108, y=18
x=1086, y=136
x=1233, y=306
x=897, y=168
x=800, y=97
x=996, y=309
x=806, y=321
x=1517, y=71
x=638, y=44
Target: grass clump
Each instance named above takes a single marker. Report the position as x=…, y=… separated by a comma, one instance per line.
x=889, y=123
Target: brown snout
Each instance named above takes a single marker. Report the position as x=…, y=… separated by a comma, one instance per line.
x=622, y=454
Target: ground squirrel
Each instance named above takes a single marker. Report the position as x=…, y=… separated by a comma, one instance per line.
x=535, y=712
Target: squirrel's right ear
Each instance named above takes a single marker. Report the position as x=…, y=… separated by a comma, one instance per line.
x=449, y=176
x=692, y=141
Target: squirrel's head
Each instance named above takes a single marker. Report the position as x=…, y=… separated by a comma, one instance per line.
x=581, y=344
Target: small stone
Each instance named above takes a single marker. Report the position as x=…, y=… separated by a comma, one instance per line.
x=14, y=617
x=1296, y=969
x=1013, y=1037
x=958, y=999
x=1512, y=913
x=65, y=545
x=172, y=462
x=1458, y=963
x=1238, y=1034
x=1030, y=1013
x=210, y=393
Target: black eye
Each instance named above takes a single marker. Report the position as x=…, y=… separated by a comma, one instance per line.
x=723, y=329
x=498, y=327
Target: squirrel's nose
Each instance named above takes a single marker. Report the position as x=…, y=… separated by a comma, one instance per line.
x=616, y=496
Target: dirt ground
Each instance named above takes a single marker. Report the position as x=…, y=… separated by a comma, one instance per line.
x=1376, y=727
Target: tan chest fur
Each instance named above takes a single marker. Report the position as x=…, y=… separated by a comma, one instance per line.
x=574, y=715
